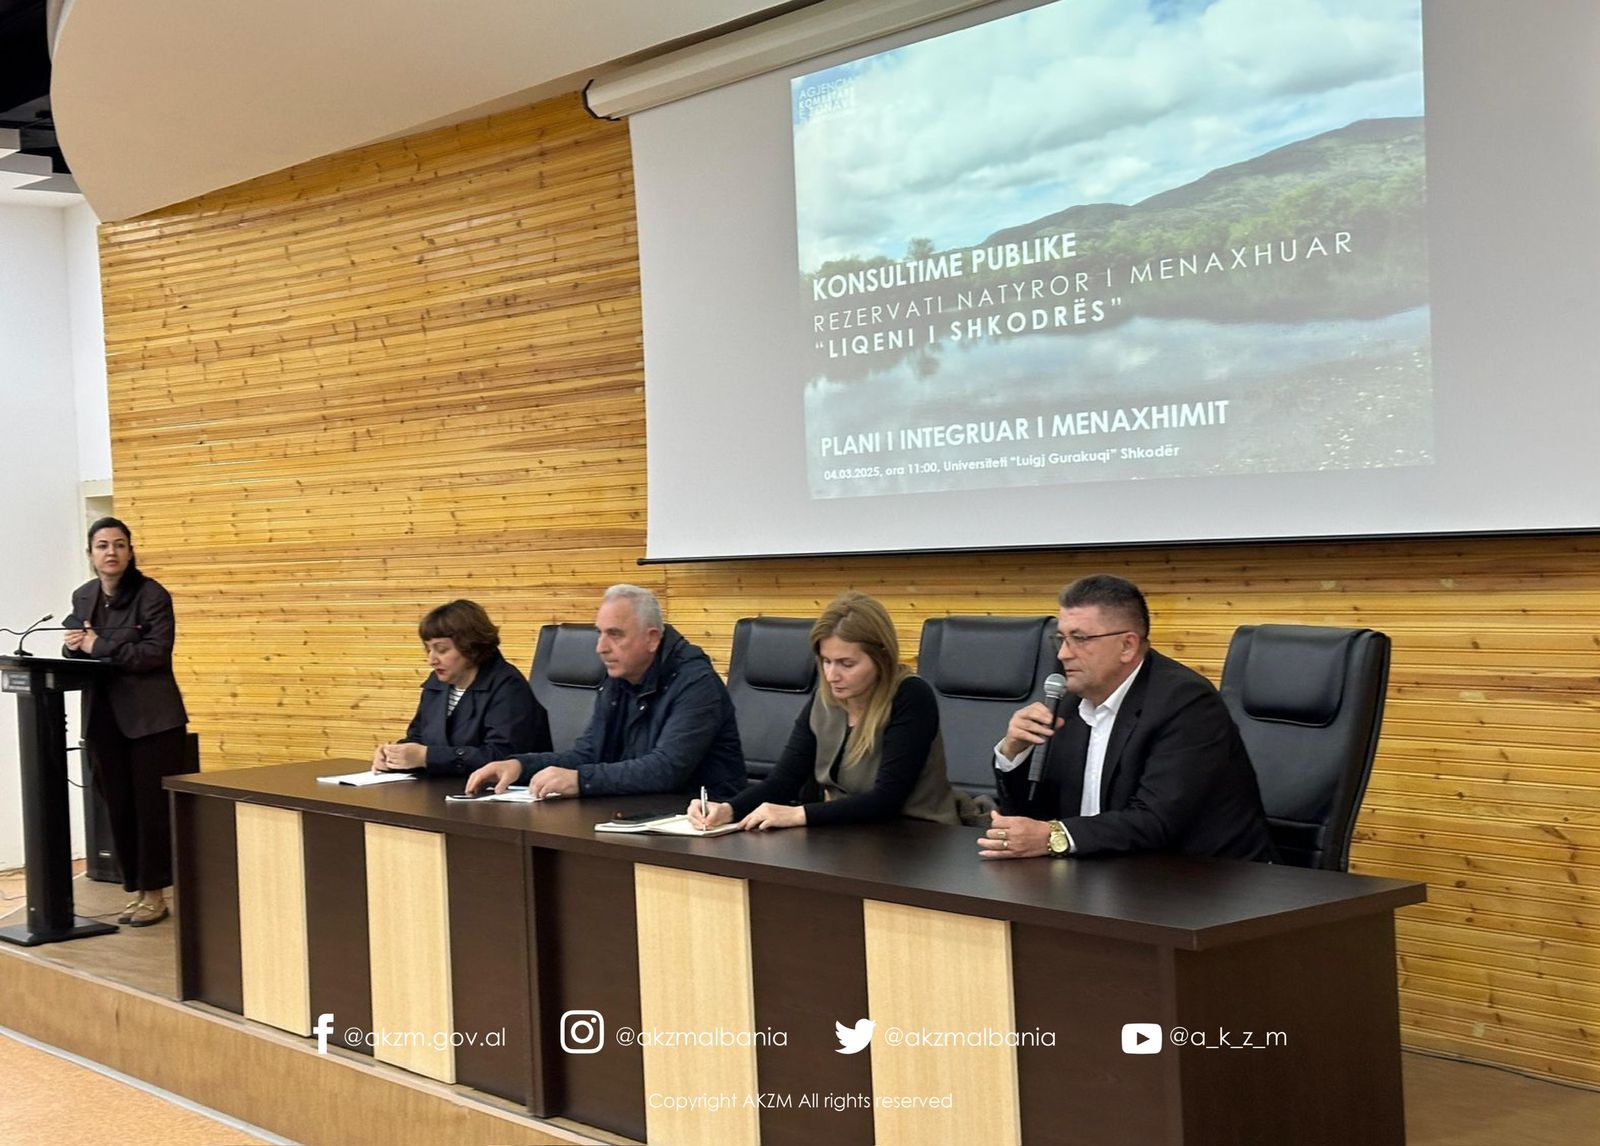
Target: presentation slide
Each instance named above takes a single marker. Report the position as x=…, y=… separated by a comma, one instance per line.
x=1117, y=241
x=1109, y=272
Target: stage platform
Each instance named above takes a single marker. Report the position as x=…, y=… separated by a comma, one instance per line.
x=112, y=999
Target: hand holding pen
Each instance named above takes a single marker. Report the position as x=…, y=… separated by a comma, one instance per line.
x=705, y=815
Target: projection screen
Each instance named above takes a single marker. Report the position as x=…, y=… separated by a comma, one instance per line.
x=1101, y=272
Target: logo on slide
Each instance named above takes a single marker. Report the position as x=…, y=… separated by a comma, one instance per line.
x=854, y=1039
x=1141, y=1038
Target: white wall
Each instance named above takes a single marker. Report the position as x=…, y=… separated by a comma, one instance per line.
x=43, y=250
x=88, y=342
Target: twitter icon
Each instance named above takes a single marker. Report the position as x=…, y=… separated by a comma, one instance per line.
x=854, y=1039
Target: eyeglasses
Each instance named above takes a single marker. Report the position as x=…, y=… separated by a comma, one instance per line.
x=1078, y=640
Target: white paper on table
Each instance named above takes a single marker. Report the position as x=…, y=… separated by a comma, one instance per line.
x=514, y=796
x=365, y=779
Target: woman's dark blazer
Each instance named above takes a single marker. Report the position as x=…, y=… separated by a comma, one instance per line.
x=496, y=717
x=136, y=634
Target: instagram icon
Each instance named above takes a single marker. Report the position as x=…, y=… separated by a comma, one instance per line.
x=582, y=1032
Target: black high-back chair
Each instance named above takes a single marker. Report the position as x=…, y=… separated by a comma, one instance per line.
x=771, y=675
x=566, y=674
x=1309, y=704
x=982, y=669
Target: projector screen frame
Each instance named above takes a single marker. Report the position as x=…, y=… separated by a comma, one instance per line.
x=1530, y=341
x=1101, y=546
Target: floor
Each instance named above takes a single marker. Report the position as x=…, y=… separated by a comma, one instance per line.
x=142, y=957
x=1452, y=1103
x=1448, y=1103
x=49, y=1096
x=46, y=1097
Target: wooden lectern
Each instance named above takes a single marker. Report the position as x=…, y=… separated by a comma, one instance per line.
x=40, y=684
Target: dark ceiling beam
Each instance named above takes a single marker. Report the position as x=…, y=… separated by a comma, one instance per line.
x=24, y=52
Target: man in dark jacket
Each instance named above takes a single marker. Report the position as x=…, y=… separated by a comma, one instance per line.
x=1148, y=759
x=663, y=721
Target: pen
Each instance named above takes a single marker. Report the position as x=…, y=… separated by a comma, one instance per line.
x=702, y=807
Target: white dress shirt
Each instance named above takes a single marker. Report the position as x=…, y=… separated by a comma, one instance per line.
x=1100, y=718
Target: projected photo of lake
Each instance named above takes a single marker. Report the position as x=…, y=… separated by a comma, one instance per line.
x=1109, y=242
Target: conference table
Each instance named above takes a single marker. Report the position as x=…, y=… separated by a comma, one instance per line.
x=855, y=984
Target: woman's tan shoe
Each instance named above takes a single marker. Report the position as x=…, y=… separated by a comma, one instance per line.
x=148, y=912
x=126, y=914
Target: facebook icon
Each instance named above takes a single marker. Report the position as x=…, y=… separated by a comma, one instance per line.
x=322, y=1030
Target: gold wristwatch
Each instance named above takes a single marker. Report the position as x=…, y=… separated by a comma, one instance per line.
x=1059, y=844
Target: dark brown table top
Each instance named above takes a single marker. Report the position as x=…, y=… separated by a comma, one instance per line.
x=1167, y=901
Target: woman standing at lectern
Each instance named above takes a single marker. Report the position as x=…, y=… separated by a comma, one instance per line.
x=134, y=720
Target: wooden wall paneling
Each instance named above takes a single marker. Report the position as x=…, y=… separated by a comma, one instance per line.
x=379, y=394
x=345, y=392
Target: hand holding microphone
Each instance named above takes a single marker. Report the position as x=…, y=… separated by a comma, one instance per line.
x=1035, y=723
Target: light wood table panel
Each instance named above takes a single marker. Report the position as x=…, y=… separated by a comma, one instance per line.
x=938, y=978
x=408, y=923
x=694, y=977
x=275, y=970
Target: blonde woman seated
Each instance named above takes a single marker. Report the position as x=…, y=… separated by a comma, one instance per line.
x=868, y=742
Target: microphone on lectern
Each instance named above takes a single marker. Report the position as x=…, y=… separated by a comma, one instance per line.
x=22, y=652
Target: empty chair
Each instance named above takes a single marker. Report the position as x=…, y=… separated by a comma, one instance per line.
x=771, y=675
x=1309, y=703
x=565, y=675
x=983, y=669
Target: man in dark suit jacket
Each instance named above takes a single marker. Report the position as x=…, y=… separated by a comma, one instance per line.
x=1147, y=760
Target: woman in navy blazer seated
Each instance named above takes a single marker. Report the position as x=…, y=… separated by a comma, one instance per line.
x=476, y=706
x=866, y=747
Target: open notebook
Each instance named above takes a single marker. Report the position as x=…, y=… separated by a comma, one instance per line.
x=670, y=825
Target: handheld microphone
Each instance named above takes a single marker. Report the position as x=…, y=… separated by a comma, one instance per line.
x=1055, y=688
x=22, y=636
